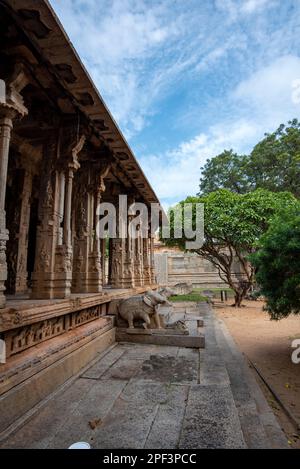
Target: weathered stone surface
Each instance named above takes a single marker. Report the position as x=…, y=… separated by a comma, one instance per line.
x=165, y=431
x=95, y=405
x=168, y=369
x=97, y=370
x=211, y=419
x=47, y=422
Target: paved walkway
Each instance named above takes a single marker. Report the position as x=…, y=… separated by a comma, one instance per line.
x=144, y=396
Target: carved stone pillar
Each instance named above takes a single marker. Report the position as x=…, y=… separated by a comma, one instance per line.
x=22, y=274
x=128, y=259
x=11, y=107
x=117, y=263
x=48, y=229
x=119, y=245
x=139, y=260
x=152, y=266
x=64, y=252
x=146, y=261
x=83, y=235
x=95, y=261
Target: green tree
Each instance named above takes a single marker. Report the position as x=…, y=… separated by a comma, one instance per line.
x=233, y=225
x=273, y=164
x=225, y=171
x=278, y=265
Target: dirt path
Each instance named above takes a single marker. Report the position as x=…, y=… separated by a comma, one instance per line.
x=268, y=345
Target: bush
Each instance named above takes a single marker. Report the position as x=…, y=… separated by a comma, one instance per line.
x=278, y=265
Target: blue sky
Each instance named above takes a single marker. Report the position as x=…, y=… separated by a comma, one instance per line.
x=187, y=79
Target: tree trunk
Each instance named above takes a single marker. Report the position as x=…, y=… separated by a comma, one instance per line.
x=238, y=298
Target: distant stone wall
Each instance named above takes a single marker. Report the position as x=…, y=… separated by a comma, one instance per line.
x=177, y=267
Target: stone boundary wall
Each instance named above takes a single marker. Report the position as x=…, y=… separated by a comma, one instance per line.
x=172, y=268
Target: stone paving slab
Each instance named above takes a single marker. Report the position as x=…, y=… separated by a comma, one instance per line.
x=95, y=406
x=96, y=371
x=168, y=369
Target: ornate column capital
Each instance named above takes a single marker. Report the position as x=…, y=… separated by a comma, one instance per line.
x=11, y=101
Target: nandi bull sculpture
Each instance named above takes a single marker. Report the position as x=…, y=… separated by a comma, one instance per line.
x=143, y=307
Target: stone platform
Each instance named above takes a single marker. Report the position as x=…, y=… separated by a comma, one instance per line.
x=192, y=337
x=47, y=342
x=151, y=396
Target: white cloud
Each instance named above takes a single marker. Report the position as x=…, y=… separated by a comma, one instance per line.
x=235, y=9
x=176, y=173
x=268, y=93
x=250, y=6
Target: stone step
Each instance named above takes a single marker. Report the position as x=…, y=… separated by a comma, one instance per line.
x=191, y=341
x=211, y=419
x=231, y=371
x=223, y=363
x=259, y=424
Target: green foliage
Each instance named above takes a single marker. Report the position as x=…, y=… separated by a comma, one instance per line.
x=194, y=296
x=233, y=226
x=225, y=171
x=278, y=264
x=274, y=164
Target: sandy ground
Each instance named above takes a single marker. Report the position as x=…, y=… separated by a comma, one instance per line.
x=268, y=345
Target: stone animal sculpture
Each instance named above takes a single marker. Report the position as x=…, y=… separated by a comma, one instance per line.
x=142, y=307
x=183, y=288
x=167, y=292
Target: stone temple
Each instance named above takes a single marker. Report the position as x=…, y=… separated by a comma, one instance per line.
x=61, y=154
x=91, y=350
